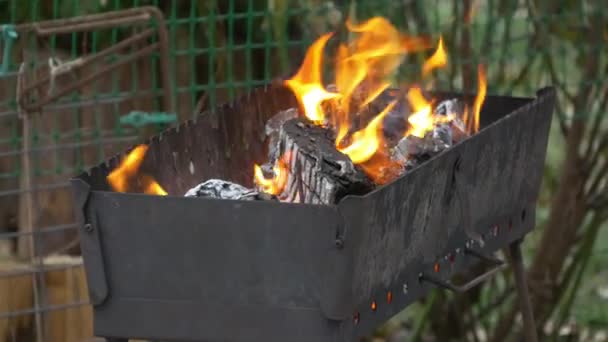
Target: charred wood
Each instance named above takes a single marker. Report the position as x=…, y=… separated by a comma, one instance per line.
x=318, y=172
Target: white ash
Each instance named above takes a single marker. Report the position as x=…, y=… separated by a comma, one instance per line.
x=274, y=124
x=218, y=188
x=272, y=128
x=442, y=137
x=450, y=107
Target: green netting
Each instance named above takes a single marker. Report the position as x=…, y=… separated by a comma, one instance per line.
x=219, y=49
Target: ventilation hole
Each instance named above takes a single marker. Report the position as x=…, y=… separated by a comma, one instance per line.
x=405, y=289
x=374, y=306
x=389, y=297
x=356, y=318
x=523, y=215
x=495, y=230
x=436, y=267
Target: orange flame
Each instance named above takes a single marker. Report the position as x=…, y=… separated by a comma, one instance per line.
x=125, y=176
x=363, y=71
x=365, y=142
x=439, y=59
x=480, y=98
x=471, y=120
x=276, y=184
x=307, y=84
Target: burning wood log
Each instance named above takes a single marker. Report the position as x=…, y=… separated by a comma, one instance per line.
x=317, y=172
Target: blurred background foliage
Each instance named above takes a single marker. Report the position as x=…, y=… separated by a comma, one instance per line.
x=223, y=48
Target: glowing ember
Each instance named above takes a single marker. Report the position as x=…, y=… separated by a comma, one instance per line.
x=276, y=184
x=125, y=176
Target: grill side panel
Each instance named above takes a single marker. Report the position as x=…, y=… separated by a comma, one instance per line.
x=411, y=226
x=201, y=269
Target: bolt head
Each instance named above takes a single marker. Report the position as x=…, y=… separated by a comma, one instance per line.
x=88, y=227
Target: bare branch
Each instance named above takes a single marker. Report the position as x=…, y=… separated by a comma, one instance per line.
x=593, y=191
x=600, y=114
x=594, y=157
x=599, y=202
x=555, y=78
x=465, y=47
x=577, y=269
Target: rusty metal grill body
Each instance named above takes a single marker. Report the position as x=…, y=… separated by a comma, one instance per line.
x=176, y=268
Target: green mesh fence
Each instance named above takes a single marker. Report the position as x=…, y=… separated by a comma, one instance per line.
x=219, y=49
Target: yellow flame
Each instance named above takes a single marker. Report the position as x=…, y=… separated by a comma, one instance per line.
x=480, y=98
x=307, y=84
x=421, y=121
x=365, y=142
x=471, y=118
x=276, y=184
x=439, y=59
x=363, y=71
x=125, y=176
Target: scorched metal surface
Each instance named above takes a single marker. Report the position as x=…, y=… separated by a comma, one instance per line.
x=177, y=268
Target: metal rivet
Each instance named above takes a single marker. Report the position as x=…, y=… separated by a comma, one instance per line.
x=88, y=227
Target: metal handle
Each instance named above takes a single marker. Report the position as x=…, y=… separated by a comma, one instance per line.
x=498, y=266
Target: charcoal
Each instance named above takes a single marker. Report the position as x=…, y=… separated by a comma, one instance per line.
x=450, y=107
x=217, y=188
x=273, y=127
x=433, y=142
x=394, y=124
x=459, y=132
x=412, y=150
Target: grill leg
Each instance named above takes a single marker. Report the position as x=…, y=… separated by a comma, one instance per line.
x=522, y=292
